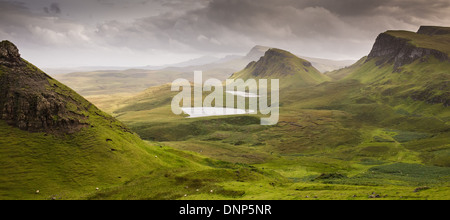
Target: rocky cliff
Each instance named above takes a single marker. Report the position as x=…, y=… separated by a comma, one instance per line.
x=432, y=30
x=33, y=101
x=400, y=51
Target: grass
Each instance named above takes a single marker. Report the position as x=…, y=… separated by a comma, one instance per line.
x=372, y=134
x=403, y=174
x=436, y=42
x=367, y=132
x=278, y=64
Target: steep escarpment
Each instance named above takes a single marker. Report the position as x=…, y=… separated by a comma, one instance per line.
x=33, y=101
x=402, y=48
x=405, y=65
x=433, y=30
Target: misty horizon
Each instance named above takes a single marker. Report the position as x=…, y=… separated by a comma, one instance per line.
x=63, y=33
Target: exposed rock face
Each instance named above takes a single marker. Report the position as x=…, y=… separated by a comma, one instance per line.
x=9, y=54
x=399, y=51
x=432, y=30
x=30, y=102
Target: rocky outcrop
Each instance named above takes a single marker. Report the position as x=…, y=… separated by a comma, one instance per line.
x=400, y=52
x=430, y=96
x=433, y=30
x=9, y=54
x=30, y=102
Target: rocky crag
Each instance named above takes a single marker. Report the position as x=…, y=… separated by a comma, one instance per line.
x=32, y=101
x=400, y=48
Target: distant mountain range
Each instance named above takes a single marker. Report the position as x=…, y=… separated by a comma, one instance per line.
x=205, y=63
x=124, y=80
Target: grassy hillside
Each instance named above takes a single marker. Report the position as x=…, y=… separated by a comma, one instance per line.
x=278, y=64
x=376, y=131
x=330, y=143
x=100, y=158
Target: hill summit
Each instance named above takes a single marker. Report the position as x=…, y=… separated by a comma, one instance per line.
x=283, y=65
x=33, y=101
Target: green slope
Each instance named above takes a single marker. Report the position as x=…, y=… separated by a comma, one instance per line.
x=418, y=68
x=380, y=126
x=80, y=149
x=278, y=64
x=54, y=144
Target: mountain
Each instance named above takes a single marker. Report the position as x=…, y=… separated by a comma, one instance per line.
x=403, y=47
x=194, y=62
x=409, y=65
x=33, y=101
x=98, y=86
x=279, y=64
x=256, y=53
x=54, y=141
x=54, y=144
x=226, y=66
x=380, y=128
x=132, y=81
x=326, y=65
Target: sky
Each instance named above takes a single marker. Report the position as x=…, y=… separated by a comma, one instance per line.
x=68, y=33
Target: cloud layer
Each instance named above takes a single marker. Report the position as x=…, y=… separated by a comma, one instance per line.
x=145, y=32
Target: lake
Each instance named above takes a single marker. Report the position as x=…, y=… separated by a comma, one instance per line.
x=213, y=111
x=243, y=94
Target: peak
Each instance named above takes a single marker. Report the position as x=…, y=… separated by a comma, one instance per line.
x=9, y=54
x=257, y=52
x=433, y=30
x=281, y=64
x=279, y=52
x=33, y=101
x=275, y=53
x=405, y=47
x=261, y=48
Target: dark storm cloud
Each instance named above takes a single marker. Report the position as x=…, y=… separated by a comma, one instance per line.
x=345, y=7
x=323, y=28
x=353, y=8
x=296, y=23
x=53, y=9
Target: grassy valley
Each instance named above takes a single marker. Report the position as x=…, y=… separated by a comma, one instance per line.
x=378, y=129
x=69, y=149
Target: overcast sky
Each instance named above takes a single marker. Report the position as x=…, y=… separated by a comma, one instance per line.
x=69, y=33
